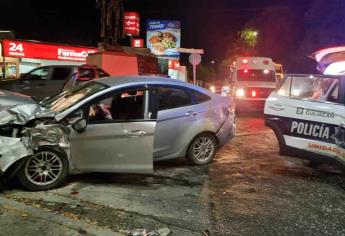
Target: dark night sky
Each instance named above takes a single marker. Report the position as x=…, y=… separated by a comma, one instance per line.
x=205, y=23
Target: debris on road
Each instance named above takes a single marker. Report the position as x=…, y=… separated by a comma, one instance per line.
x=144, y=232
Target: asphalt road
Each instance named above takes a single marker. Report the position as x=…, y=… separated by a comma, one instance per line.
x=248, y=190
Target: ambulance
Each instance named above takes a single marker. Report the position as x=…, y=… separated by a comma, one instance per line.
x=307, y=115
x=252, y=79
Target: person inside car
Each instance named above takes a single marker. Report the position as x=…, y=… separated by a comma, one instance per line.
x=321, y=88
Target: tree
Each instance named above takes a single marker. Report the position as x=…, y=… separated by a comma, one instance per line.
x=205, y=73
x=249, y=36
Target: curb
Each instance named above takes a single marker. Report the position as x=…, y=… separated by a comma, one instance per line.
x=59, y=219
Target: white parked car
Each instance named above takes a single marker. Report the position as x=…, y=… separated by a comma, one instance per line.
x=307, y=114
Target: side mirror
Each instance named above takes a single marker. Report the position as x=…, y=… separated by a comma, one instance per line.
x=79, y=125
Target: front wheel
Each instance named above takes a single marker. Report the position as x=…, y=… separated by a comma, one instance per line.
x=202, y=149
x=45, y=170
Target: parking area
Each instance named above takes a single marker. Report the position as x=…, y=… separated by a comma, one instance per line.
x=248, y=190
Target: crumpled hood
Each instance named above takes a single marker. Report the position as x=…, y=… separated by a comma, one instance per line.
x=8, y=98
x=19, y=109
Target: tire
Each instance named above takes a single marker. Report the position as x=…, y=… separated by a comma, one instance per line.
x=208, y=145
x=45, y=170
x=312, y=163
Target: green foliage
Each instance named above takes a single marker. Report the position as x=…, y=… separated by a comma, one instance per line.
x=249, y=36
x=205, y=73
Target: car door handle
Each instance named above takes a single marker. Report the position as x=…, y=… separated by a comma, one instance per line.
x=191, y=113
x=134, y=133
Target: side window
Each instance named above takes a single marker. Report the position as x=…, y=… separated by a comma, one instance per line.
x=334, y=93
x=61, y=73
x=172, y=98
x=315, y=89
x=285, y=87
x=38, y=74
x=102, y=73
x=86, y=74
x=200, y=97
x=123, y=107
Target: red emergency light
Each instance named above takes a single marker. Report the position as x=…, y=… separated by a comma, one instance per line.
x=253, y=93
x=266, y=62
x=245, y=61
x=245, y=71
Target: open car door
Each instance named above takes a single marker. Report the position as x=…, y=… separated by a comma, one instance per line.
x=119, y=136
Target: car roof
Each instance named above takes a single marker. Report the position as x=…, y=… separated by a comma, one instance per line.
x=70, y=66
x=121, y=80
x=315, y=76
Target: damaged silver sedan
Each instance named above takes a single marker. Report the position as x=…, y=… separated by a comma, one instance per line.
x=115, y=125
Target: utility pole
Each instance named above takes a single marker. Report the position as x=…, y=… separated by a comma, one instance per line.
x=112, y=15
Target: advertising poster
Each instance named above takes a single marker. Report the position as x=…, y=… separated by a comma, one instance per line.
x=163, y=37
x=131, y=23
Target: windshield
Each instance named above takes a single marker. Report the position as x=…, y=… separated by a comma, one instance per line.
x=68, y=98
x=256, y=75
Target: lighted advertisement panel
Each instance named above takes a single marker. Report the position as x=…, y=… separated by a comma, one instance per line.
x=164, y=37
x=25, y=49
x=132, y=23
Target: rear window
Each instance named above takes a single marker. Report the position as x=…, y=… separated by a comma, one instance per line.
x=170, y=98
x=200, y=97
x=102, y=73
x=86, y=74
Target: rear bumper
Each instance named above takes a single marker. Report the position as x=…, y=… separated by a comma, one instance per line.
x=227, y=130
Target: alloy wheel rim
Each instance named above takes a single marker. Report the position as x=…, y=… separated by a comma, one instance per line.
x=203, y=149
x=43, y=168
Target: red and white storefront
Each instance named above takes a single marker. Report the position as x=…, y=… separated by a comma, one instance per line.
x=20, y=56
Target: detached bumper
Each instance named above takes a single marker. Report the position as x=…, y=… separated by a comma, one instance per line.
x=227, y=131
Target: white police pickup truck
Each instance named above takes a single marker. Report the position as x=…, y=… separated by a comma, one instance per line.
x=307, y=114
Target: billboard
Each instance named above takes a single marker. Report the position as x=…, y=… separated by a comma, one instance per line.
x=26, y=49
x=131, y=23
x=164, y=37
